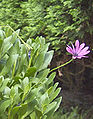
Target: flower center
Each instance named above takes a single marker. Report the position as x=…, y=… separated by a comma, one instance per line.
x=75, y=54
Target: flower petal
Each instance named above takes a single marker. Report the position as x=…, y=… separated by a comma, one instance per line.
x=79, y=57
x=77, y=45
x=73, y=47
x=84, y=51
x=81, y=47
x=69, y=49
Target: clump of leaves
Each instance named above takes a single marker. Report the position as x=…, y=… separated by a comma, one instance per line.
x=26, y=90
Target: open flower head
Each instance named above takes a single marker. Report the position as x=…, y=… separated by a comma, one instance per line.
x=78, y=51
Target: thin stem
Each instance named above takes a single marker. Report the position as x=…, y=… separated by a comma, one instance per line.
x=20, y=38
x=61, y=65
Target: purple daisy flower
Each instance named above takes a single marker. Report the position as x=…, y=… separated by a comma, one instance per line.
x=78, y=51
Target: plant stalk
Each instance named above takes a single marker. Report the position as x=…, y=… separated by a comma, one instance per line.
x=61, y=65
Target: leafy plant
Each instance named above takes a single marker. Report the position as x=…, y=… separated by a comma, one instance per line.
x=26, y=90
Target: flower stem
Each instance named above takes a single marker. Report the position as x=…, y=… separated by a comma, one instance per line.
x=61, y=65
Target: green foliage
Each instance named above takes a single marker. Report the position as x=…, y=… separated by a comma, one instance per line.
x=73, y=114
x=26, y=90
x=57, y=20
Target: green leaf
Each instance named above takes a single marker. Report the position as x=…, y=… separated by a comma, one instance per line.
x=43, y=73
x=12, y=92
x=8, y=43
x=55, y=94
x=15, y=49
x=2, y=35
x=32, y=95
x=42, y=40
x=25, y=82
x=5, y=48
x=44, y=99
x=22, y=110
x=14, y=111
x=30, y=108
x=4, y=84
x=4, y=105
x=33, y=115
x=11, y=60
x=51, y=77
x=39, y=61
x=7, y=92
x=47, y=59
x=50, y=108
x=30, y=72
x=58, y=100
x=52, y=89
x=26, y=91
x=38, y=112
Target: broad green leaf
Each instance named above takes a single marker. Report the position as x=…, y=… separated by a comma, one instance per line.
x=22, y=66
x=4, y=84
x=29, y=41
x=4, y=105
x=33, y=115
x=14, y=36
x=38, y=112
x=2, y=35
x=51, y=77
x=15, y=49
x=47, y=59
x=39, y=61
x=7, y=91
x=11, y=60
x=45, y=47
x=22, y=110
x=32, y=95
x=35, y=80
x=58, y=100
x=49, y=109
x=5, y=48
x=55, y=94
x=43, y=73
x=30, y=108
x=8, y=43
x=52, y=89
x=12, y=92
x=53, y=107
x=42, y=40
x=25, y=82
x=26, y=91
x=14, y=111
x=44, y=99
x=30, y=72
